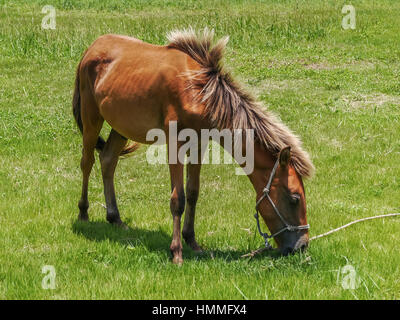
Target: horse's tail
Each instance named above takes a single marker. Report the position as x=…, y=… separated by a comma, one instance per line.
x=76, y=102
x=76, y=110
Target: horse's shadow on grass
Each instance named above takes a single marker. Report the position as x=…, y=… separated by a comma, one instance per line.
x=154, y=240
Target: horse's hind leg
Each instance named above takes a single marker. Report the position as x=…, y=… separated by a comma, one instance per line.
x=91, y=132
x=109, y=159
x=192, y=193
x=177, y=204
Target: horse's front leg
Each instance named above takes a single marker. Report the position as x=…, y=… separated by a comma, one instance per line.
x=177, y=204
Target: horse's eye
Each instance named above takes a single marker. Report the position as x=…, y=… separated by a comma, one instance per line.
x=295, y=198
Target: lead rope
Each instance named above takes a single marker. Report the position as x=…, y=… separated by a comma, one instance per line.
x=253, y=253
x=353, y=222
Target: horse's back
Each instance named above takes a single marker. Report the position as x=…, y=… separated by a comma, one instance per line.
x=137, y=86
x=129, y=56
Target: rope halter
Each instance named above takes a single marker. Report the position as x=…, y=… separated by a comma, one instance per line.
x=287, y=226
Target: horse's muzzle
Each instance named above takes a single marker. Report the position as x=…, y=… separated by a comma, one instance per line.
x=295, y=244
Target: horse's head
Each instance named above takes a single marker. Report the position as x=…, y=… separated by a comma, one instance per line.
x=283, y=207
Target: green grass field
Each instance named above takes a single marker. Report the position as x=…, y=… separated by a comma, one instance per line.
x=338, y=89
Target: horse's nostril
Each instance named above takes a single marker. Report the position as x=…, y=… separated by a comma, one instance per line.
x=303, y=246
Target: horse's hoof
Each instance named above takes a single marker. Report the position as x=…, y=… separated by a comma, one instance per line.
x=120, y=224
x=191, y=242
x=123, y=226
x=177, y=260
x=195, y=247
x=83, y=217
x=115, y=220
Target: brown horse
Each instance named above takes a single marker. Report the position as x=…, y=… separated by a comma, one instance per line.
x=137, y=86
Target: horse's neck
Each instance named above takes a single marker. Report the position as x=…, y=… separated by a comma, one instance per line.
x=262, y=161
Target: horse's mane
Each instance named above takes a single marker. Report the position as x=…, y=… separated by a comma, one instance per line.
x=227, y=105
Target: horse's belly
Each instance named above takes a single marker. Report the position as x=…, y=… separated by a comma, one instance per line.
x=132, y=120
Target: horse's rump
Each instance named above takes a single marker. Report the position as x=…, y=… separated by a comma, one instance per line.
x=137, y=86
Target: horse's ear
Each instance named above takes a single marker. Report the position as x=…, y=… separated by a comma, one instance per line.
x=284, y=156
